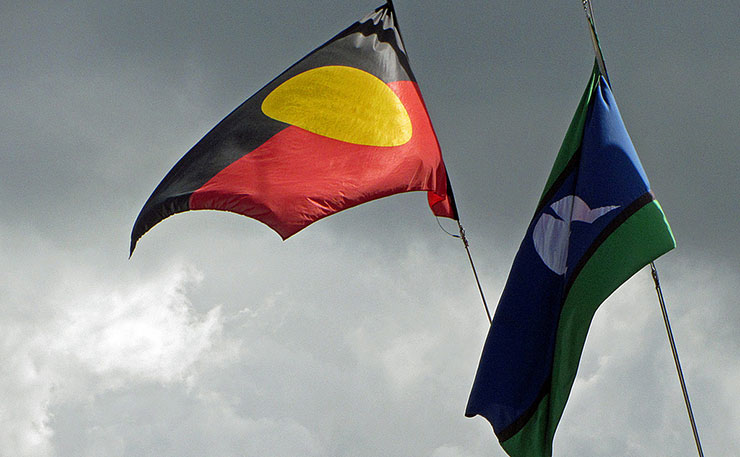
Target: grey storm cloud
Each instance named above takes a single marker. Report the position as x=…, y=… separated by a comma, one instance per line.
x=361, y=334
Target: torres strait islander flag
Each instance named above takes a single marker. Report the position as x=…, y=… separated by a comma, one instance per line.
x=597, y=223
x=343, y=126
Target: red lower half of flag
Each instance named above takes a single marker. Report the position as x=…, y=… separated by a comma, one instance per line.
x=298, y=177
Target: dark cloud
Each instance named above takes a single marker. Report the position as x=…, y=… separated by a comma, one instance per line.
x=360, y=335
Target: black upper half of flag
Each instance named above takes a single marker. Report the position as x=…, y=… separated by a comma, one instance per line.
x=372, y=44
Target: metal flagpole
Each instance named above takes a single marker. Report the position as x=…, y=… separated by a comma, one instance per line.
x=675, y=357
x=470, y=258
x=475, y=273
x=588, y=9
x=460, y=227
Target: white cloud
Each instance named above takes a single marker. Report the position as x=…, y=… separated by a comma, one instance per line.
x=97, y=341
x=374, y=358
x=627, y=395
x=448, y=451
x=149, y=332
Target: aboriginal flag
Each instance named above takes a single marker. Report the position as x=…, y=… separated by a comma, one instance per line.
x=344, y=125
x=597, y=223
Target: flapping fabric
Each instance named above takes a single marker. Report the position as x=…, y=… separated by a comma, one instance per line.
x=597, y=223
x=343, y=126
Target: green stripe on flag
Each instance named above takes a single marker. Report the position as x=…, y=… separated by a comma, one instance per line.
x=534, y=439
x=639, y=240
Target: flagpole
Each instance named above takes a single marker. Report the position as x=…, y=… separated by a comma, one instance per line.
x=588, y=9
x=676, y=360
x=459, y=225
x=472, y=265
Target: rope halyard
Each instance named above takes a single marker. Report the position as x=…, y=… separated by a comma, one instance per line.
x=445, y=230
x=470, y=258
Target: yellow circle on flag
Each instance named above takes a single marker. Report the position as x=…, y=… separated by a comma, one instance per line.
x=343, y=103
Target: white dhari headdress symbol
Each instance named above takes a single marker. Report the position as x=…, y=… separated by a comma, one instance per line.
x=551, y=234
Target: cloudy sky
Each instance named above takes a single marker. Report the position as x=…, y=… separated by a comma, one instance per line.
x=360, y=335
